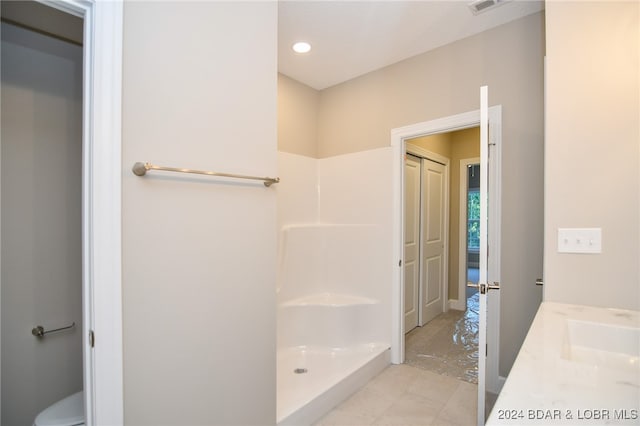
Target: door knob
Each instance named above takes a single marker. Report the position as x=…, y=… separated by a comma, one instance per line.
x=539, y=281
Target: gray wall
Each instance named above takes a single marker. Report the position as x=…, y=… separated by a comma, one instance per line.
x=592, y=157
x=41, y=223
x=297, y=117
x=358, y=115
x=199, y=253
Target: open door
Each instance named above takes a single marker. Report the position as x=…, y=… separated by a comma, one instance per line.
x=488, y=273
x=412, y=176
x=100, y=165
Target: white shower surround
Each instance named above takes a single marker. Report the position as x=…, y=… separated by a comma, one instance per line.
x=330, y=323
x=334, y=279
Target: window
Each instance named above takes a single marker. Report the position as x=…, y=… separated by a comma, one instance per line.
x=473, y=219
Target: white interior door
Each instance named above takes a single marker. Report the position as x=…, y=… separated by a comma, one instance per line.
x=412, y=168
x=433, y=239
x=488, y=278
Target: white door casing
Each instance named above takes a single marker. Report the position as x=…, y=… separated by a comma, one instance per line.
x=101, y=206
x=433, y=257
x=411, y=258
x=398, y=142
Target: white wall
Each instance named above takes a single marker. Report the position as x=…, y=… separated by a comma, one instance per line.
x=592, y=151
x=199, y=254
x=41, y=221
x=356, y=188
x=346, y=189
x=298, y=190
x=331, y=258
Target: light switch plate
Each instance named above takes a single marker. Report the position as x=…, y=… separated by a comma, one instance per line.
x=580, y=240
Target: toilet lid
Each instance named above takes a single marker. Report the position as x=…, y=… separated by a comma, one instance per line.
x=66, y=412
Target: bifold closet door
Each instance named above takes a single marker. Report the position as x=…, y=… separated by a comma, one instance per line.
x=412, y=174
x=433, y=239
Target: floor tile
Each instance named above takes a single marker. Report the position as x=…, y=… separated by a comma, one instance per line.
x=462, y=407
x=403, y=395
x=339, y=417
x=394, y=381
x=433, y=386
x=368, y=403
x=410, y=410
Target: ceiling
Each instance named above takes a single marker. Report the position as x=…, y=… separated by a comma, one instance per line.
x=352, y=38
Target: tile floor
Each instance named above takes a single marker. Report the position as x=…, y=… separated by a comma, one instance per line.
x=407, y=395
x=436, y=385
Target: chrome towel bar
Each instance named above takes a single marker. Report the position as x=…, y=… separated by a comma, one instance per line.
x=39, y=330
x=140, y=169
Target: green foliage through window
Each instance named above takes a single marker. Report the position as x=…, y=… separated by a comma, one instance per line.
x=473, y=219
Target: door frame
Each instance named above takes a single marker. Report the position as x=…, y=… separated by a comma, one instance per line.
x=423, y=153
x=101, y=206
x=398, y=145
x=461, y=303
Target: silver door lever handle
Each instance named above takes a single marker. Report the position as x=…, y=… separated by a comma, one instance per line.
x=484, y=287
x=539, y=281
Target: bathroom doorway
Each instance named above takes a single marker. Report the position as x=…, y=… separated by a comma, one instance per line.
x=41, y=199
x=61, y=208
x=399, y=138
x=445, y=343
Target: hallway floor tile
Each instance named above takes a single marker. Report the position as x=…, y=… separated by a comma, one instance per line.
x=406, y=395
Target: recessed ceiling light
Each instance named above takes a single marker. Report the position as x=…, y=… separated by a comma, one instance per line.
x=301, y=47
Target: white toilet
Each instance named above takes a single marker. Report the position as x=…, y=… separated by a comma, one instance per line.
x=66, y=412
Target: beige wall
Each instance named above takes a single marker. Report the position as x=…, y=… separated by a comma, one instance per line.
x=199, y=253
x=439, y=143
x=359, y=114
x=455, y=146
x=297, y=117
x=592, y=150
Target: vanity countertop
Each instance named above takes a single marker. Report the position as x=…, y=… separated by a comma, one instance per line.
x=577, y=365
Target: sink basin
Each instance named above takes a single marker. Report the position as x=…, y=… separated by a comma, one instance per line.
x=602, y=345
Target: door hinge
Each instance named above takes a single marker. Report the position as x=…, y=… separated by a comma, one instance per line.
x=92, y=338
x=400, y=262
x=486, y=349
